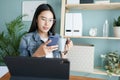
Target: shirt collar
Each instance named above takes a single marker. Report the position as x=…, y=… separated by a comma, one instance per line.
x=37, y=37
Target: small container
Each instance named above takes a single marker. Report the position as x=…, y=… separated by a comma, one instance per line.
x=102, y=56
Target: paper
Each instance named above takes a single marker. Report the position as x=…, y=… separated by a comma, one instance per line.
x=3, y=70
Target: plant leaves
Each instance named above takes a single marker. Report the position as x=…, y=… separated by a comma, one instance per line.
x=9, y=41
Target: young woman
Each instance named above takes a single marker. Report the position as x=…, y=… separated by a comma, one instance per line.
x=35, y=42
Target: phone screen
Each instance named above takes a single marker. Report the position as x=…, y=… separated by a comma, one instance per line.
x=54, y=41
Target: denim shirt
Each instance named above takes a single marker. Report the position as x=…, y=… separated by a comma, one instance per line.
x=31, y=41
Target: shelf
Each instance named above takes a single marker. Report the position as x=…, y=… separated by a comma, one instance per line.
x=102, y=72
x=95, y=6
x=109, y=6
x=114, y=38
x=97, y=70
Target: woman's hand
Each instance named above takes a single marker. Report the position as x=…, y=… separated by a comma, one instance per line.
x=44, y=49
x=68, y=45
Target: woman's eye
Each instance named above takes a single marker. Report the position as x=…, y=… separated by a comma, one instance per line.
x=43, y=19
x=51, y=20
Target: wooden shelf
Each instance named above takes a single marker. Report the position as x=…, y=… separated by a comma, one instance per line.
x=114, y=38
x=95, y=6
x=109, y=6
x=101, y=71
x=97, y=70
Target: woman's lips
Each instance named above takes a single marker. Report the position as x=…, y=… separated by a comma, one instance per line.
x=45, y=28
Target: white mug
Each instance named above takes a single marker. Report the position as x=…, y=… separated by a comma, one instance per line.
x=61, y=44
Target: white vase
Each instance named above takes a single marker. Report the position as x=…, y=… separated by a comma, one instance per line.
x=117, y=31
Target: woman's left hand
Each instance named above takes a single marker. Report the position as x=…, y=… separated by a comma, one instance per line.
x=68, y=45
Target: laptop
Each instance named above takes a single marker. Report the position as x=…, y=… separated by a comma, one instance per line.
x=34, y=68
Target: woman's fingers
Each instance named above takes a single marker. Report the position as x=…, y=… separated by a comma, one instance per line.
x=52, y=48
x=68, y=40
x=55, y=47
x=47, y=42
x=69, y=44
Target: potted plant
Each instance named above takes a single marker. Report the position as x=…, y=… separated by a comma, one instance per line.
x=116, y=27
x=9, y=40
x=112, y=63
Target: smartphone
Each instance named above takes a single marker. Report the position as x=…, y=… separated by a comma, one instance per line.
x=54, y=41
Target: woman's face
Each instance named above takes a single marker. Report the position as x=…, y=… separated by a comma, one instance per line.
x=45, y=21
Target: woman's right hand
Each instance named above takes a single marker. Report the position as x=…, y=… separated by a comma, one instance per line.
x=44, y=49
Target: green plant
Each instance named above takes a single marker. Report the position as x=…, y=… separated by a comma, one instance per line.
x=9, y=40
x=116, y=23
x=112, y=63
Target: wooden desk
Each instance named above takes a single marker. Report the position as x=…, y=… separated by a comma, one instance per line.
x=7, y=77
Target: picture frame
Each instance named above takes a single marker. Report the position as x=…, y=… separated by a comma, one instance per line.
x=29, y=7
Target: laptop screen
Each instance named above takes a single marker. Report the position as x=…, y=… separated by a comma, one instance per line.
x=55, y=68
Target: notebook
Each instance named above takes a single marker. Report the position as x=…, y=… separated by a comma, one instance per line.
x=33, y=68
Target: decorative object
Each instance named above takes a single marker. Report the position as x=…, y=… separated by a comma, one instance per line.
x=9, y=40
x=102, y=56
x=116, y=27
x=112, y=62
x=93, y=32
x=106, y=29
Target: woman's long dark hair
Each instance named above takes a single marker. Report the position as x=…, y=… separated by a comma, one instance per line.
x=41, y=8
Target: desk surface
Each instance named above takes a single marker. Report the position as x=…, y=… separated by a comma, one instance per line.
x=7, y=77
